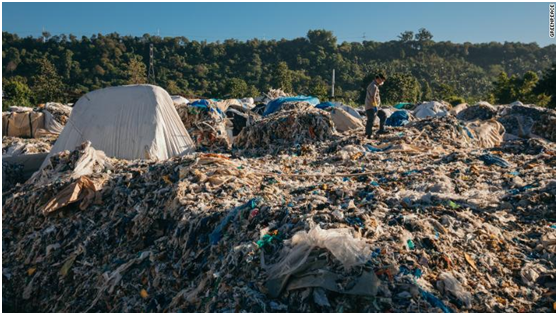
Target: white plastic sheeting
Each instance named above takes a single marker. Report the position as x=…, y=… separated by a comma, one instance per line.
x=344, y=121
x=127, y=122
x=430, y=109
x=179, y=100
x=348, y=109
x=349, y=250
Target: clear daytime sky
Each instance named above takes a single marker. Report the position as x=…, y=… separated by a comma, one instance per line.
x=456, y=22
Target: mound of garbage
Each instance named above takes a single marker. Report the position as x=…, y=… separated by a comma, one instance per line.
x=206, y=124
x=479, y=111
x=526, y=121
x=295, y=123
x=451, y=132
x=12, y=174
x=46, y=119
x=439, y=215
x=13, y=146
x=286, y=207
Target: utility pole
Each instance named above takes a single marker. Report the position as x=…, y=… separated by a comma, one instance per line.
x=151, y=73
x=333, y=84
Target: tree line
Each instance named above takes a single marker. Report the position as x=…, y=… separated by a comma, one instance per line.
x=62, y=68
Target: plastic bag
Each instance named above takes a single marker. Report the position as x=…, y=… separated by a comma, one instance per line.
x=349, y=250
x=448, y=284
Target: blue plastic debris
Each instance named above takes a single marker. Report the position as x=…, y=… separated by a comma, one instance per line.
x=215, y=236
x=514, y=173
x=403, y=105
x=407, y=173
x=434, y=301
x=553, y=226
x=200, y=103
x=374, y=183
x=372, y=148
x=376, y=253
x=404, y=270
x=410, y=244
x=324, y=105
x=468, y=132
x=490, y=159
x=516, y=191
x=398, y=119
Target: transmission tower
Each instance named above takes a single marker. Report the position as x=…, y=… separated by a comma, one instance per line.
x=151, y=73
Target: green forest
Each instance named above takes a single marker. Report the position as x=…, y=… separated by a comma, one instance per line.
x=62, y=68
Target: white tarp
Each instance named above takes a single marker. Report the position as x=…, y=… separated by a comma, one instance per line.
x=127, y=122
x=179, y=100
x=344, y=121
x=430, y=109
x=349, y=110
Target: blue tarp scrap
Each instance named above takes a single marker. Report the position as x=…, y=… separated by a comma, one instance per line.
x=402, y=105
x=398, y=119
x=434, y=301
x=325, y=105
x=468, y=132
x=276, y=104
x=371, y=148
x=206, y=105
x=200, y=103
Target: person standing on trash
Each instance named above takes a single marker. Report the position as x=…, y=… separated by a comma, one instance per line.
x=372, y=103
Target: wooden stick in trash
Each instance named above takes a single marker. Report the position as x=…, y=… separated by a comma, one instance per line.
x=417, y=137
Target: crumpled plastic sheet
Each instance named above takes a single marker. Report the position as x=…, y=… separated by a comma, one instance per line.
x=349, y=250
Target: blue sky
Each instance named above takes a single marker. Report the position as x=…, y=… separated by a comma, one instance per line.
x=456, y=22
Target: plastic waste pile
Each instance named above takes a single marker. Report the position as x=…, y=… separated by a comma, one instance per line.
x=207, y=125
x=439, y=215
x=295, y=123
x=12, y=174
x=275, y=94
x=60, y=112
x=44, y=120
x=527, y=121
x=451, y=132
x=431, y=109
x=13, y=146
x=481, y=110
